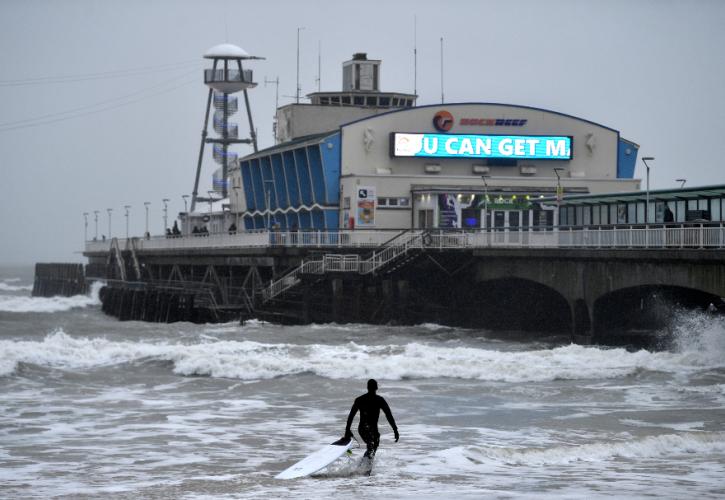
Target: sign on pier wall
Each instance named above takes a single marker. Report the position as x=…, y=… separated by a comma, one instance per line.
x=366, y=198
x=523, y=147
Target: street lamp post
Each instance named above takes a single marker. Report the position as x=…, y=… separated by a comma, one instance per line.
x=127, y=207
x=95, y=217
x=559, y=193
x=109, y=210
x=166, y=214
x=85, y=228
x=485, y=200
x=146, y=205
x=645, y=159
x=269, y=185
x=236, y=203
x=186, y=214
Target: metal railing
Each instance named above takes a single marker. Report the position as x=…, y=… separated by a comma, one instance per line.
x=699, y=236
x=231, y=75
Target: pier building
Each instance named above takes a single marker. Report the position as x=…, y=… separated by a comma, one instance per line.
x=362, y=158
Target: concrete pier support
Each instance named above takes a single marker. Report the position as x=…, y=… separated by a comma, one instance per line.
x=338, y=297
x=581, y=322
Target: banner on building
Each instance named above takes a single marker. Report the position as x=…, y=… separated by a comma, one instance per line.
x=366, y=200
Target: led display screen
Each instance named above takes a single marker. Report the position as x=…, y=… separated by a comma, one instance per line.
x=524, y=147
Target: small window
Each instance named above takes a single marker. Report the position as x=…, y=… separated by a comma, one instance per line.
x=359, y=101
x=346, y=99
x=382, y=202
x=404, y=202
x=631, y=213
x=640, y=212
x=409, y=103
x=715, y=209
x=372, y=101
x=324, y=101
x=392, y=202
x=395, y=101
x=334, y=100
x=680, y=211
x=385, y=101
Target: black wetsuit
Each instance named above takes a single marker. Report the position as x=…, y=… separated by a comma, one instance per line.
x=370, y=405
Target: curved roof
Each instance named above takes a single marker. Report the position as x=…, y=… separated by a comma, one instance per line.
x=453, y=104
x=226, y=51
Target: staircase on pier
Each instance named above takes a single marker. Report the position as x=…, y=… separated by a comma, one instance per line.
x=396, y=251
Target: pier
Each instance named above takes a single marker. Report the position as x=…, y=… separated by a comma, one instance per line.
x=570, y=280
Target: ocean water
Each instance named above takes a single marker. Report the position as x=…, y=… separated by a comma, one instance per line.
x=95, y=408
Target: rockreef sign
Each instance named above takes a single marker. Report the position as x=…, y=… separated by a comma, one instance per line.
x=524, y=147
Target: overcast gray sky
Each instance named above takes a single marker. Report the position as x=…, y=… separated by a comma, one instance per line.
x=102, y=102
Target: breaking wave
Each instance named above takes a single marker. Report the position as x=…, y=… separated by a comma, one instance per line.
x=254, y=360
x=15, y=288
x=650, y=447
x=26, y=304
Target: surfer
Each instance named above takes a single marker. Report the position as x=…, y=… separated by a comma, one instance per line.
x=369, y=406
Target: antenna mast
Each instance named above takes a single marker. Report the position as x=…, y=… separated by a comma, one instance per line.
x=415, y=57
x=319, y=64
x=442, y=98
x=276, y=105
x=297, y=94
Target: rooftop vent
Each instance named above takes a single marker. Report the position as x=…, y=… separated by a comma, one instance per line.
x=360, y=56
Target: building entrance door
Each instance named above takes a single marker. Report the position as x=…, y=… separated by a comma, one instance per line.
x=507, y=225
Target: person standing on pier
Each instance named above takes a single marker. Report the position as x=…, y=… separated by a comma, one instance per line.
x=369, y=405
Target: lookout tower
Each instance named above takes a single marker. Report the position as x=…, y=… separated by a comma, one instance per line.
x=226, y=77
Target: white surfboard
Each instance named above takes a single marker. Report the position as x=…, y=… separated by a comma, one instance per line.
x=318, y=460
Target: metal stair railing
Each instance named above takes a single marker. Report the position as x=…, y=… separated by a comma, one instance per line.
x=134, y=257
x=394, y=249
x=119, y=258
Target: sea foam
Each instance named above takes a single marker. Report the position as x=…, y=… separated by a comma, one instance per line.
x=25, y=304
x=249, y=360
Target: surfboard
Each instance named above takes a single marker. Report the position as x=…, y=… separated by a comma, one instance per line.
x=318, y=460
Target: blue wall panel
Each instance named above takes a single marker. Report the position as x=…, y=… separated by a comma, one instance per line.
x=293, y=222
x=259, y=222
x=318, y=177
x=258, y=184
x=626, y=159
x=268, y=186
x=248, y=186
x=331, y=160
x=248, y=223
x=279, y=179
x=303, y=173
x=305, y=220
x=292, y=182
x=331, y=219
x=318, y=219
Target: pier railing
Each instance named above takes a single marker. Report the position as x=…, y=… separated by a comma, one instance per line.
x=700, y=236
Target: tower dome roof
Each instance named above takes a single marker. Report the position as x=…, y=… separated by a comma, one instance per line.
x=226, y=51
